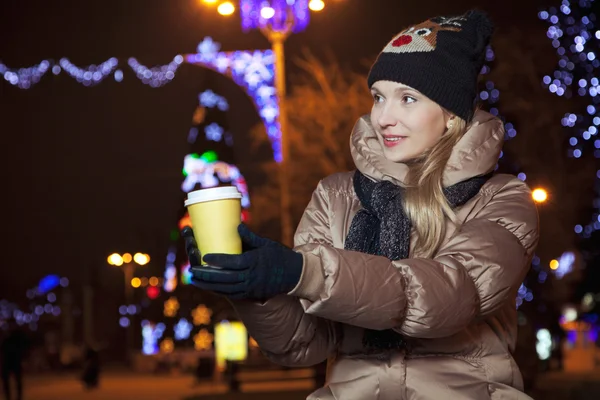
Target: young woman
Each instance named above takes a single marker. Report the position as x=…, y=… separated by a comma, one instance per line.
x=405, y=272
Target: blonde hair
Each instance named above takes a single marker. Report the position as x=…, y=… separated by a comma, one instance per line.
x=424, y=201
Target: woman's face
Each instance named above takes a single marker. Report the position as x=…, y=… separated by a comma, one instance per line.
x=406, y=121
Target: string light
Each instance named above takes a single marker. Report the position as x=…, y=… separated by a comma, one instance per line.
x=156, y=76
x=90, y=75
x=571, y=31
x=254, y=71
x=24, y=78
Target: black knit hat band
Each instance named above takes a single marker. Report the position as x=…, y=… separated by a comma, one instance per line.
x=441, y=58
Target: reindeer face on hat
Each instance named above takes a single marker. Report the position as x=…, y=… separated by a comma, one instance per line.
x=423, y=37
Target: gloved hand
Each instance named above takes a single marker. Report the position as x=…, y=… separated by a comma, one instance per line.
x=266, y=270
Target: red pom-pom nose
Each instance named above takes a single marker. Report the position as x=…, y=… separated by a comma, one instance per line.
x=402, y=40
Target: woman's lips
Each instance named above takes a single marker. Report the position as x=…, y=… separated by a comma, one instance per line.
x=392, y=140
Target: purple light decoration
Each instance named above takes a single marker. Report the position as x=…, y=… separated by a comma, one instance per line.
x=90, y=75
x=254, y=71
x=156, y=76
x=24, y=78
x=293, y=13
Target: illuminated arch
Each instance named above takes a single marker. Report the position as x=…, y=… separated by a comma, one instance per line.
x=253, y=71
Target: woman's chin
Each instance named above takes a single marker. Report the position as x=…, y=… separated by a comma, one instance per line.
x=395, y=155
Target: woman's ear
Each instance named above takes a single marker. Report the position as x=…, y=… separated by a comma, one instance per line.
x=450, y=123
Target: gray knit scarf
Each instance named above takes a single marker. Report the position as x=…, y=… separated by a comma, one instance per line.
x=382, y=228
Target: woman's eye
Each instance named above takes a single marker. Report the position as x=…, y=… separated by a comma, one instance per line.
x=408, y=99
x=377, y=98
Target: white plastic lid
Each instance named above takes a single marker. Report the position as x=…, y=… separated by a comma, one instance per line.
x=218, y=193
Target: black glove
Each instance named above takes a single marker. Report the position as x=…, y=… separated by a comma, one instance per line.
x=266, y=270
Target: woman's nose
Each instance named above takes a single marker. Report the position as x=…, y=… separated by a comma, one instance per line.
x=386, y=118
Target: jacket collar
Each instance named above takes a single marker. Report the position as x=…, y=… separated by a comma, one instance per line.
x=476, y=153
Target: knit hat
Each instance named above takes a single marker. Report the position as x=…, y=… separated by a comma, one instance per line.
x=441, y=58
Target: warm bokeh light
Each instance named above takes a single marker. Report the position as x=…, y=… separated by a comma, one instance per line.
x=127, y=258
x=141, y=259
x=153, y=281
x=316, y=5
x=171, y=306
x=115, y=259
x=554, y=264
x=167, y=345
x=226, y=8
x=136, y=282
x=201, y=315
x=185, y=221
x=539, y=195
x=152, y=292
x=211, y=2
x=144, y=281
x=203, y=340
x=267, y=12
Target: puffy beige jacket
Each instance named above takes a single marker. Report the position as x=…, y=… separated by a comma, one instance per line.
x=457, y=309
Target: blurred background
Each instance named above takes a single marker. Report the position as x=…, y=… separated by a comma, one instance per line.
x=111, y=111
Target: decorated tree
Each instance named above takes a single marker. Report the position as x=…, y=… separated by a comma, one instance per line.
x=575, y=35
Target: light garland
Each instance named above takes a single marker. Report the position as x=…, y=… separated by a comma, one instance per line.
x=254, y=71
x=25, y=78
x=576, y=39
x=156, y=76
x=90, y=75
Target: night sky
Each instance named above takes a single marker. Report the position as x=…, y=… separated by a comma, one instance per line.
x=90, y=171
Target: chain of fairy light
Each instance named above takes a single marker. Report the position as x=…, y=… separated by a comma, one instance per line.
x=576, y=39
x=491, y=95
x=252, y=70
x=91, y=75
x=156, y=76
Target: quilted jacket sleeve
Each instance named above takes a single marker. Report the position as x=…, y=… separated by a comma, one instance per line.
x=476, y=272
x=285, y=333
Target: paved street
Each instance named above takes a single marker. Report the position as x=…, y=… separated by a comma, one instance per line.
x=128, y=386
x=263, y=385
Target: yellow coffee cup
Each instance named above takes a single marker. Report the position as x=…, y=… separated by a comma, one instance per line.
x=215, y=214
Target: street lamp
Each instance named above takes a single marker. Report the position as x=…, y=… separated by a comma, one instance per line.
x=277, y=19
x=539, y=195
x=128, y=264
